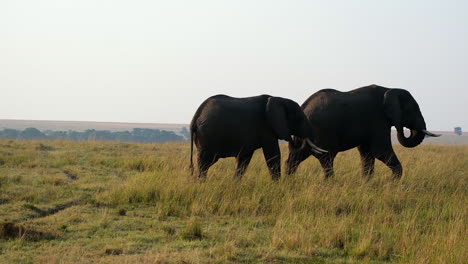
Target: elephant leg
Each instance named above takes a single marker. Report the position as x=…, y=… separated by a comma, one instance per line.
x=326, y=160
x=367, y=160
x=205, y=161
x=390, y=159
x=243, y=161
x=273, y=159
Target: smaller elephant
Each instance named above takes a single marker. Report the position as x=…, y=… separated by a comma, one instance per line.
x=360, y=118
x=225, y=126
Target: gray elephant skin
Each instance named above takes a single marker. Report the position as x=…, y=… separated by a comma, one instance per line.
x=359, y=118
x=225, y=126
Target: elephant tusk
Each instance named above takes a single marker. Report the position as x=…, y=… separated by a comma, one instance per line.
x=430, y=134
x=315, y=148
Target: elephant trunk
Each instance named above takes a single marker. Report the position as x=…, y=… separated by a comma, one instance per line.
x=413, y=140
x=291, y=165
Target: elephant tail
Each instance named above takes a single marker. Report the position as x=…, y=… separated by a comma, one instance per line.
x=192, y=134
x=193, y=131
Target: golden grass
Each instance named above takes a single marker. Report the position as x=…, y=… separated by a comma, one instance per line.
x=137, y=203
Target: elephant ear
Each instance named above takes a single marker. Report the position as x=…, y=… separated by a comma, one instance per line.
x=392, y=107
x=276, y=117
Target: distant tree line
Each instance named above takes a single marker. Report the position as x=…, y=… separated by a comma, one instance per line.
x=136, y=135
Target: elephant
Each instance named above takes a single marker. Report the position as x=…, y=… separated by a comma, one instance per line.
x=359, y=118
x=225, y=126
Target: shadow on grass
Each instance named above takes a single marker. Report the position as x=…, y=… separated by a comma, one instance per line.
x=10, y=230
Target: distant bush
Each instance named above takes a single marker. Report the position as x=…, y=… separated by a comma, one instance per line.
x=143, y=135
x=185, y=132
x=31, y=133
x=9, y=133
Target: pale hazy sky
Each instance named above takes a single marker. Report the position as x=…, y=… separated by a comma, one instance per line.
x=156, y=61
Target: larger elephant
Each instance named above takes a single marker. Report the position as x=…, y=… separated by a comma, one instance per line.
x=224, y=126
x=359, y=118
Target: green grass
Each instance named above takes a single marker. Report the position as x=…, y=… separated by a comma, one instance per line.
x=98, y=202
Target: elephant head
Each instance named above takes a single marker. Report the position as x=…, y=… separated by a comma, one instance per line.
x=403, y=111
x=287, y=119
x=298, y=152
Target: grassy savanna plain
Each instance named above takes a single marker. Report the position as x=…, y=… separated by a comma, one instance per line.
x=107, y=202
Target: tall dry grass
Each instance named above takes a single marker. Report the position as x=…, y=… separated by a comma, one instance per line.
x=421, y=218
x=418, y=219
